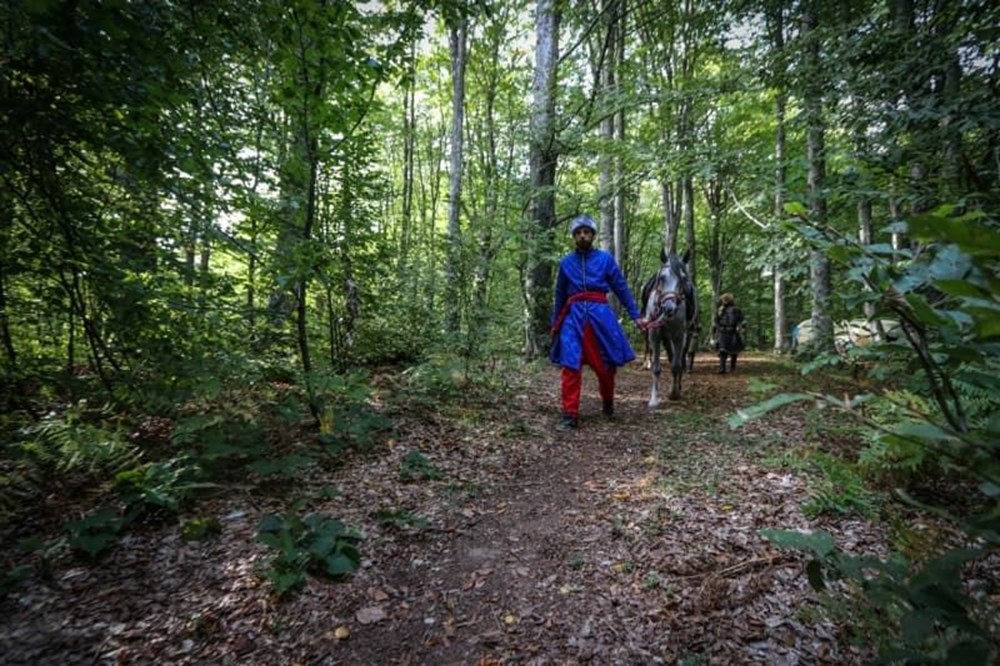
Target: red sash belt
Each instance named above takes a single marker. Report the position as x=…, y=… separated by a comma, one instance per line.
x=587, y=296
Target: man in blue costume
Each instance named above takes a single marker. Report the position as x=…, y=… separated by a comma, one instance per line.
x=584, y=328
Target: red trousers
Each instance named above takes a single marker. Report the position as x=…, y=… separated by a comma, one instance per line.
x=572, y=379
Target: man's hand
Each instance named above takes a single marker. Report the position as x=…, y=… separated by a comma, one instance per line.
x=640, y=323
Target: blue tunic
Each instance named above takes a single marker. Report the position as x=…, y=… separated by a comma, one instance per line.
x=593, y=270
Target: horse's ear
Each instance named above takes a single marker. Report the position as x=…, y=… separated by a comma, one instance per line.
x=687, y=256
x=663, y=255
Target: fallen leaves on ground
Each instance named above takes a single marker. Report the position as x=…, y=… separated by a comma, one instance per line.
x=630, y=541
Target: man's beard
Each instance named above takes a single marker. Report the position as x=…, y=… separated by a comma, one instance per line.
x=584, y=244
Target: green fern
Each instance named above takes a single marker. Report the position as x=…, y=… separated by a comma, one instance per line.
x=20, y=487
x=68, y=444
x=978, y=401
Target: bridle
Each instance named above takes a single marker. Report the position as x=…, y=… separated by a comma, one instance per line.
x=661, y=297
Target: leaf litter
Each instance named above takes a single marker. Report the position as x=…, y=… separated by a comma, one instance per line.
x=631, y=541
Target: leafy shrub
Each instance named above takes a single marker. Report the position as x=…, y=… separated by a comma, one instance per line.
x=416, y=467
x=223, y=440
x=286, y=466
x=945, y=299
x=400, y=519
x=440, y=377
x=198, y=529
x=21, y=485
x=95, y=532
x=158, y=488
x=930, y=616
x=313, y=544
x=347, y=420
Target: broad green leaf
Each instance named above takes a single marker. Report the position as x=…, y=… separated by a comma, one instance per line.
x=820, y=543
x=271, y=523
x=969, y=653
x=963, y=288
x=923, y=312
x=340, y=565
x=814, y=572
x=93, y=544
x=322, y=546
x=969, y=232
x=949, y=263
x=796, y=208
x=917, y=625
x=921, y=430
x=760, y=409
x=987, y=329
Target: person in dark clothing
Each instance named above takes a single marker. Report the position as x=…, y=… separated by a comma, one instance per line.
x=728, y=332
x=585, y=330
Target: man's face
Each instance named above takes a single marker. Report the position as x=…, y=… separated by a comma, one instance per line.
x=584, y=238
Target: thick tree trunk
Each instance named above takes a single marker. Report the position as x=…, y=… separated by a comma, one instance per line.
x=543, y=156
x=821, y=280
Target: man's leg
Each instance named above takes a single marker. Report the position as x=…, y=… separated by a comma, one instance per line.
x=605, y=374
x=722, y=362
x=571, y=381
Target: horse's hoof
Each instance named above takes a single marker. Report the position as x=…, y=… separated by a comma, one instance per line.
x=674, y=396
x=654, y=404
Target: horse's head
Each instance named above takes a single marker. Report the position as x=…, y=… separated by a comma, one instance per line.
x=666, y=297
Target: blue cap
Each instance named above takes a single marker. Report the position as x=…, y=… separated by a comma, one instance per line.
x=582, y=221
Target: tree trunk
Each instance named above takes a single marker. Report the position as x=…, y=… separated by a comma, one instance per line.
x=672, y=202
x=301, y=288
x=821, y=280
x=689, y=238
x=782, y=338
x=865, y=238
x=619, y=169
x=457, y=42
x=607, y=64
x=543, y=156
x=409, y=140
x=5, y=337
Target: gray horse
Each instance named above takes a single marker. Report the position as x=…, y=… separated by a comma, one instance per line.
x=670, y=307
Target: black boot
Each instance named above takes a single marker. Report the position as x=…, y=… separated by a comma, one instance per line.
x=568, y=422
x=722, y=364
x=609, y=409
x=732, y=364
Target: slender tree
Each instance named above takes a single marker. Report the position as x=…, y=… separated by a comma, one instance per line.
x=776, y=20
x=457, y=39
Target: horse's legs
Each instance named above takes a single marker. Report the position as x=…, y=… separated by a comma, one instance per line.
x=654, y=393
x=690, y=347
x=676, y=369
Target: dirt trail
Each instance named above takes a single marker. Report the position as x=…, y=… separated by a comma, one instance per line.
x=632, y=541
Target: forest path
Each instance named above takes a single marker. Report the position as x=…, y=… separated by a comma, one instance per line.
x=631, y=541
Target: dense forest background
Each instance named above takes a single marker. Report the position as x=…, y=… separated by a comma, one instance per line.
x=218, y=218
